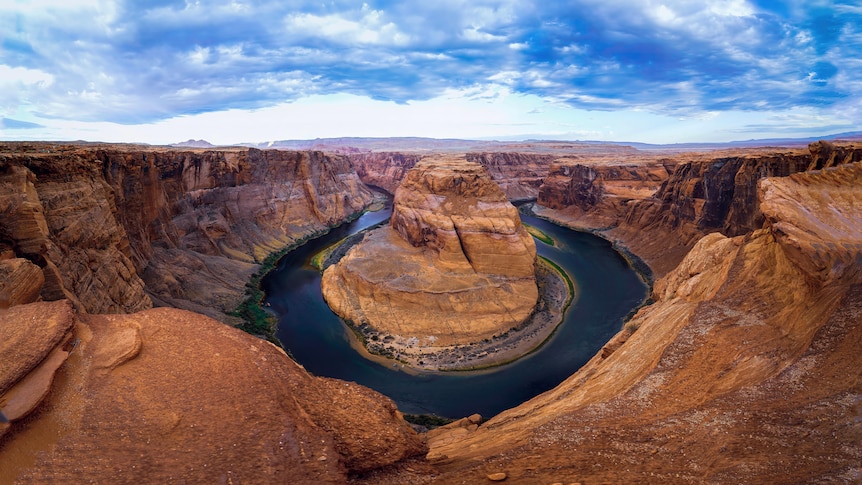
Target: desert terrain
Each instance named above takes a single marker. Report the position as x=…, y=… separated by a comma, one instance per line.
x=124, y=266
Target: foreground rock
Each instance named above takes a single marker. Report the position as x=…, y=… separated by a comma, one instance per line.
x=168, y=395
x=455, y=265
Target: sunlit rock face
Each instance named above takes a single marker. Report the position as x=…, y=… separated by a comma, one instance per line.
x=455, y=264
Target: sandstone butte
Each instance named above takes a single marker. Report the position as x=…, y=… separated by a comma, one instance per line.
x=745, y=369
x=454, y=266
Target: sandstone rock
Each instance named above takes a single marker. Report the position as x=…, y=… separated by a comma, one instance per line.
x=459, y=267
x=519, y=174
x=20, y=282
x=598, y=195
x=752, y=335
x=115, y=227
x=166, y=395
x=497, y=477
x=28, y=333
x=384, y=169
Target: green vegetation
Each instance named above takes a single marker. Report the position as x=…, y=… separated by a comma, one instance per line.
x=429, y=421
x=565, y=276
x=538, y=234
x=318, y=260
x=256, y=320
x=632, y=327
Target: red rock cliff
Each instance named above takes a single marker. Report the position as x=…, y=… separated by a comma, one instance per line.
x=702, y=194
x=114, y=227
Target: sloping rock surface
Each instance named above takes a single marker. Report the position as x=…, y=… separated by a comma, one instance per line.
x=168, y=395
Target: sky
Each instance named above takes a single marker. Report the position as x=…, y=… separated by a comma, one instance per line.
x=233, y=71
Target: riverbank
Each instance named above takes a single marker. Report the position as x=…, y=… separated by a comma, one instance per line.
x=641, y=267
x=557, y=291
x=255, y=318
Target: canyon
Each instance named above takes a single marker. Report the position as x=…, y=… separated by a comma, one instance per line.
x=744, y=368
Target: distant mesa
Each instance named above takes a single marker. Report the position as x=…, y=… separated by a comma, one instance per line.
x=453, y=267
x=194, y=144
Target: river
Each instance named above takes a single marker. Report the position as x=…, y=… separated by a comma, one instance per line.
x=608, y=289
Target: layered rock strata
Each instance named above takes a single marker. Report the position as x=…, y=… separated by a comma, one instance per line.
x=454, y=266
x=704, y=193
x=519, y=174
x=600, y=194
x=745, y=369
x=118, y=228
x=135, y=401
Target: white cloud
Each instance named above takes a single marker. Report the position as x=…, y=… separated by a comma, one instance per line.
x=11, y=76
x=370, y=28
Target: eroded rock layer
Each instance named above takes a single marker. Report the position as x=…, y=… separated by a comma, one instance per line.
x=455, y=265
x=115, y=229
x=168, y=395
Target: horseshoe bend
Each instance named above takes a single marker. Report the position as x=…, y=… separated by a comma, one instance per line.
x=125, y=270
x=454, y=267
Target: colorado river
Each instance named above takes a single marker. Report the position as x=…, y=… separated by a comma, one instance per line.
x=608, y=289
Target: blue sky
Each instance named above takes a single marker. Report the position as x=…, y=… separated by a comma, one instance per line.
x=235, y=71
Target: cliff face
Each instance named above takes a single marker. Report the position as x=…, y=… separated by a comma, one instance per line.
x=518, y=174
x=459, y=266
x=745, y=369
x=199, y=222
x=599, y=195
x=134, y=400
x=384, y=169
x=60, y=213
x=701, y=195
x=114, y=229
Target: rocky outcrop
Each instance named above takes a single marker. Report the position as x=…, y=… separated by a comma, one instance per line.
x=704, y=193
x=134, y=400
x=115, y=229
x=745, y=369
x=20, y=282
x=459, y=267
x=825, y=154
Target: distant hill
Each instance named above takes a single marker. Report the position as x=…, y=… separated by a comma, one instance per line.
x=536, y=145
x=194, y=144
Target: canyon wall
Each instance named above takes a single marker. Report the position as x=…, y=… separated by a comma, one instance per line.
x=518, y=174
x=118, y=229
x=746, y=368
x=600, y=194
x=703, y=193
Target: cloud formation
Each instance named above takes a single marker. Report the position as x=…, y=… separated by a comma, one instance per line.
x=131, y=62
